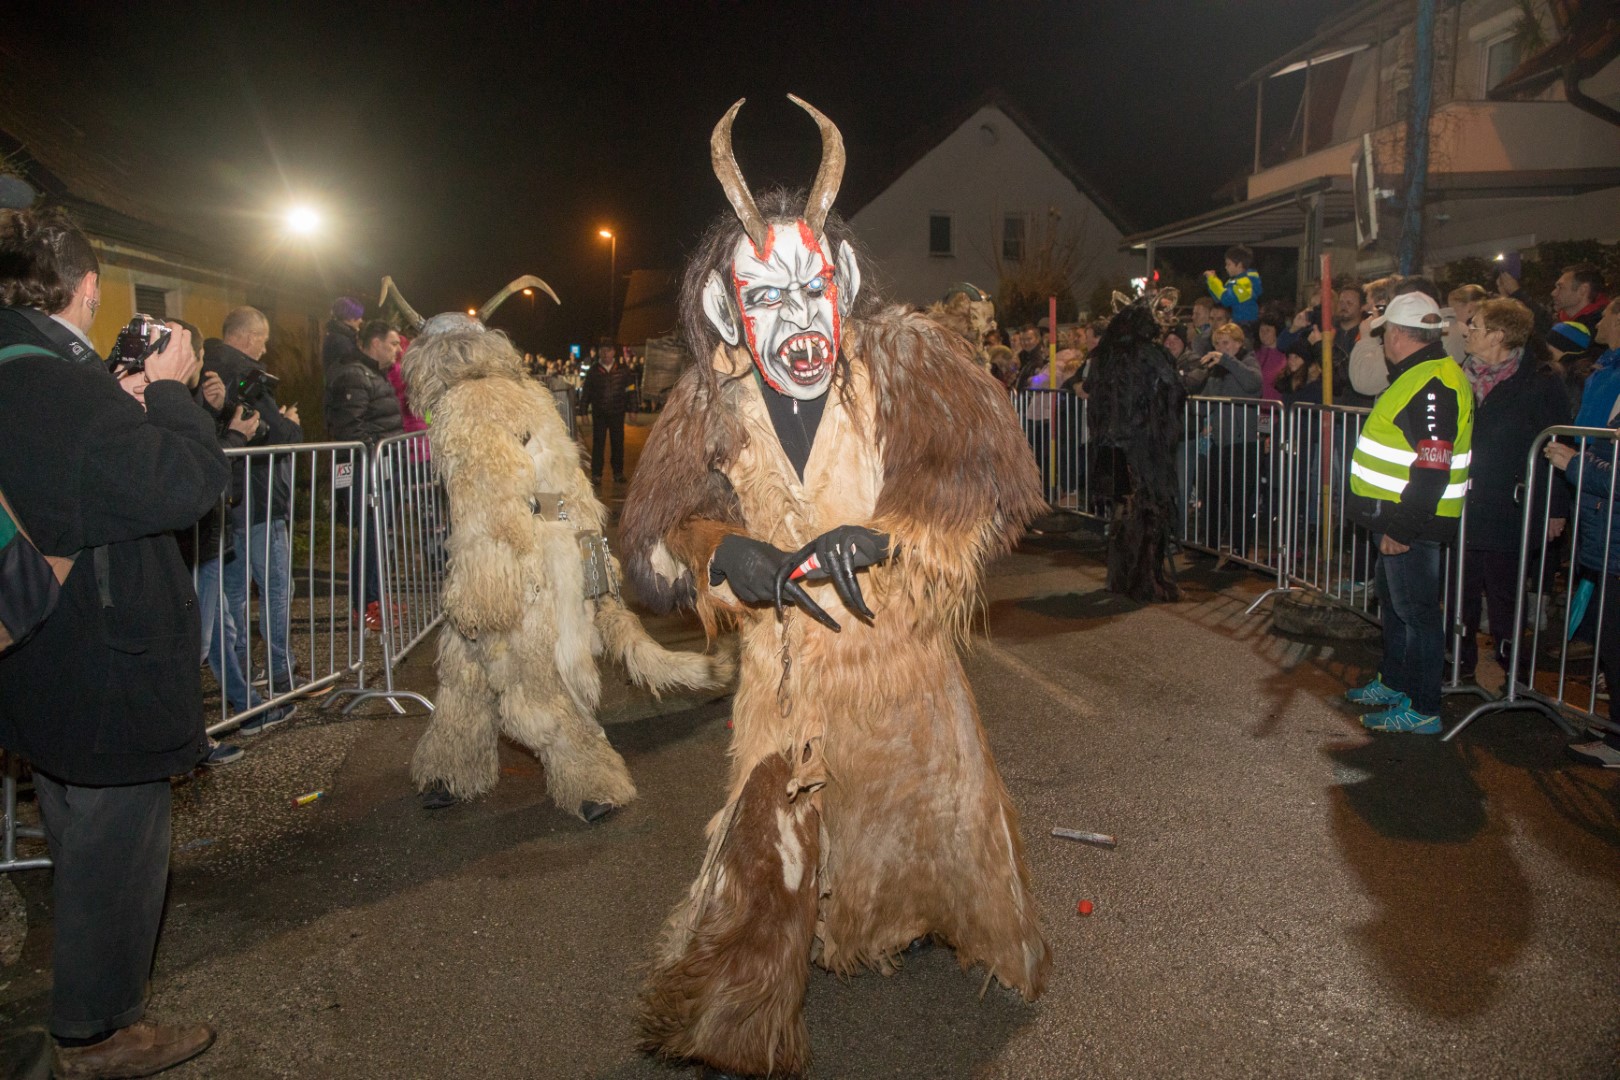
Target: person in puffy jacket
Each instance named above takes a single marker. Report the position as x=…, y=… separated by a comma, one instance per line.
x=361, y=406
x=1590, y=470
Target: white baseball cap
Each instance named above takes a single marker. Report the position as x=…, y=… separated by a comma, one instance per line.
x=1412, y=310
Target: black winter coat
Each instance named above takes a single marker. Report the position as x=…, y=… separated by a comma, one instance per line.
x=1520, y=407
x=607, y=393
x=270, y=494
x=106, y=695
x=361, y=405
x=337, y=343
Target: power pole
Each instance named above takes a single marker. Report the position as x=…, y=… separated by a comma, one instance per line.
x=1417, y=140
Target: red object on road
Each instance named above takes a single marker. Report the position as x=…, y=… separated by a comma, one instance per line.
x=1083, y=907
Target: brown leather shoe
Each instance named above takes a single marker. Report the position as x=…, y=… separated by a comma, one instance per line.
x=141, y=1049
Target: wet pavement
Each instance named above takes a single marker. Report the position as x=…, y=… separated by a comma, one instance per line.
x=1289, y=896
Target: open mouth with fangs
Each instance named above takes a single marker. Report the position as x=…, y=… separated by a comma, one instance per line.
x=806, y=356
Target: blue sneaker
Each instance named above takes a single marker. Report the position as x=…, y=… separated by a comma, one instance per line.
x=266, y=720
x=1377, y=693
x=1404, y=719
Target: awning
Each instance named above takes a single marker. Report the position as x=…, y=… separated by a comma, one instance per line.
x=1256, y=222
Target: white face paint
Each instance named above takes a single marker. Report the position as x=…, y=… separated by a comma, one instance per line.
x=791, y=304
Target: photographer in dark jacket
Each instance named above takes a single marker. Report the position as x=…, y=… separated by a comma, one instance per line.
x=105, y=699
x=361, y=406
x=261, y=494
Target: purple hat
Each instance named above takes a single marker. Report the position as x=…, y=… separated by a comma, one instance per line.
x=345, y=308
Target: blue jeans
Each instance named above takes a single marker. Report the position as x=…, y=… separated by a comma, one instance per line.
x=221, y=640
x=1414, y=624
x=273, y=576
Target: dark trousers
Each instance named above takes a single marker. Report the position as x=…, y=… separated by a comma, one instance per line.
x=1414, y=624
x=110, y=847
x=1495, y=576
x=362, y=557
x=601, y=427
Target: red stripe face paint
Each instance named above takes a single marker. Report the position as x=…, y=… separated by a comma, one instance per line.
x=787, y=294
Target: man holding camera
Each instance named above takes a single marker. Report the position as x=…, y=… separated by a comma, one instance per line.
x=104, y=699
x=261, y=504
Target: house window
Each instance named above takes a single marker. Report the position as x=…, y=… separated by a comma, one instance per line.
x=152, y=300
x=1014, y=232
x=1501, y=57
x=939, y=235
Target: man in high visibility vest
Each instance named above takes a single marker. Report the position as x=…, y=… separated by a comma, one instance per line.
x=1408, y=480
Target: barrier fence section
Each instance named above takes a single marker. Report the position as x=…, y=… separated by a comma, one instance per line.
x=1568, y=605
x=276, y=576
x=410, y=516
x=10, y=828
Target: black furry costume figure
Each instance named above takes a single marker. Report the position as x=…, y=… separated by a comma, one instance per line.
x=1135, y=416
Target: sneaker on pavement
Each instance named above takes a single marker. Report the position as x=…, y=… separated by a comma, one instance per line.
x=141, y=1049
x=222, y=753
x=1403, y=719
x=1594, y=753
x=266, y=720
x=1376, y=693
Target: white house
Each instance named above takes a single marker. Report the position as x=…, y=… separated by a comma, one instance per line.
x=980, y=198
x=1524, y=139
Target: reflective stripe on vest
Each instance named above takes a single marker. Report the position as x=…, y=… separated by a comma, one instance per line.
x=1382, y=464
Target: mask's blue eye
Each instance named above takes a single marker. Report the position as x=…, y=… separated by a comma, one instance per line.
x=816, y=285
x=771, y=296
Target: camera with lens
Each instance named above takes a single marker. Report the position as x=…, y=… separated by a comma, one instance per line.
x=249, y=388
x=137, y=341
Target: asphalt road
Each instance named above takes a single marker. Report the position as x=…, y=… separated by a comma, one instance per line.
x=1289, y=896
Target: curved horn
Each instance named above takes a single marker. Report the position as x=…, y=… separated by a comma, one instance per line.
x=413, y=321
x=731, y=178
x=831, y=173
x=527, y=281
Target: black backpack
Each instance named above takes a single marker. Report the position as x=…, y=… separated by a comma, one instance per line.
x=30, y=580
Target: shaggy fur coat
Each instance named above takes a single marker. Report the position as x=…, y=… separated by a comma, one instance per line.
x=1135, y=414
x=517, y=655
x=864, y=809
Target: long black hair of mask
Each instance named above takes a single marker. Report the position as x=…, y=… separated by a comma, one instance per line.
x=714, y=252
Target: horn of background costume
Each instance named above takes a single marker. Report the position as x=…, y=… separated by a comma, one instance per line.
x=527, y=281
x=731, y=178
x=831, y=173
x=413, y=321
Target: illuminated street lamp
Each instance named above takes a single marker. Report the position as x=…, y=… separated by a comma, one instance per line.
x=613, y=259
x=303, y=220
x=473, y=312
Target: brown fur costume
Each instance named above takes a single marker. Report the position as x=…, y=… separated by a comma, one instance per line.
x=864, y=809
x=517, y=654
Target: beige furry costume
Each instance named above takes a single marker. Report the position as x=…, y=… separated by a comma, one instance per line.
x=517, y=656
x=864, y=809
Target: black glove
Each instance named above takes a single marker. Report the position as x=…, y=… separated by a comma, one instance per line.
x=758, y=574
x=837, y=554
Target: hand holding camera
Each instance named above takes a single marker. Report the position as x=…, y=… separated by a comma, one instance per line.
x=245, y=422
x=1211, y=358
x=174, y=358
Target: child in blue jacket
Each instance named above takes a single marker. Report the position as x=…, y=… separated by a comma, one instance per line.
x=1240, y=292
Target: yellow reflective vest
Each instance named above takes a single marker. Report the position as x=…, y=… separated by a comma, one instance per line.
x=1381, y=467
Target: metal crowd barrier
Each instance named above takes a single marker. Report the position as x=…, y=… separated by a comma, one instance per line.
x=410, y=515
x=1054, y=422
x=1557, y=681
x=276, y=587
x=10, y=828
x=1230, y=463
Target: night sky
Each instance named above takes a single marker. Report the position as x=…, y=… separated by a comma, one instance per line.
x=459, y=150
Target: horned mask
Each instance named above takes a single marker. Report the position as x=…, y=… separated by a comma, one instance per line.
x=788, y=293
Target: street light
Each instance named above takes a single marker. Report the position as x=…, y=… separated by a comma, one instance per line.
x=303, y=220
x=613, y=260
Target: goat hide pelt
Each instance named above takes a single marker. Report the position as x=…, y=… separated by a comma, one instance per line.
x=864, y=808
x=518, y=653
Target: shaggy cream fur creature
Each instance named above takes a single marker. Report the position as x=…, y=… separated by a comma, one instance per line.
x=517, y=656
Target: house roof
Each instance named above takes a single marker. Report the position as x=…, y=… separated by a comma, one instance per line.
x=925, y=140
x=1362, y=24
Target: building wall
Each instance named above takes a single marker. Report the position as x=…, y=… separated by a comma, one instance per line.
x=986, y=169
